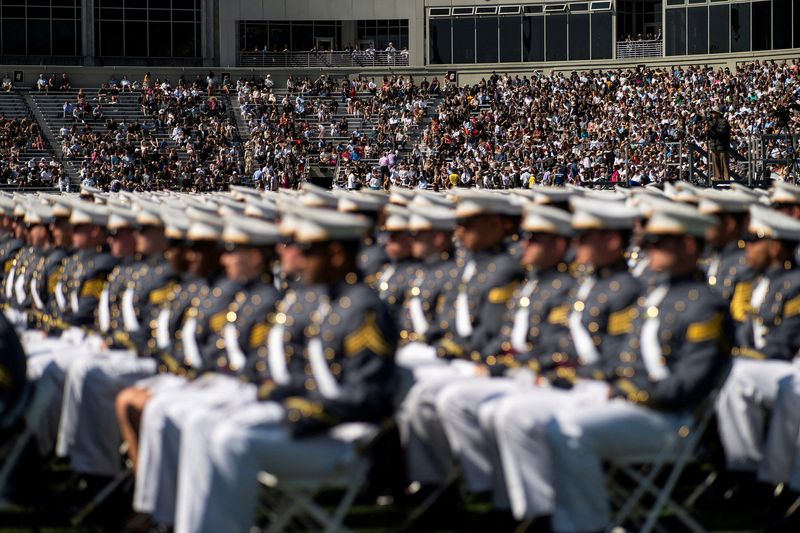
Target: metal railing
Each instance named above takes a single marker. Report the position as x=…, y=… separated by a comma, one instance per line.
x=628, y=49
x=358, y=58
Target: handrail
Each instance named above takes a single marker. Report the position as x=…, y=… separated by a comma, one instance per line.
x=651, y=48
x=313, y=58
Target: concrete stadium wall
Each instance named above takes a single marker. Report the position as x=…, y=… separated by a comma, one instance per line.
x=93, y=76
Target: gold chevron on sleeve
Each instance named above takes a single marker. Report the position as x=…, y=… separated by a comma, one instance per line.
x=367, y=337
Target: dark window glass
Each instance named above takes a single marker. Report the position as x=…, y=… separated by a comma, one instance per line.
x=440, y=11
x=64, y=13
x=675, y=2
x=556, y=49
x=182, y=4
x=111, y=38
x=159, y=14
x=602, y=41
x=439, y=39
x=718, y=27
x=509, y=10
x=39, y=33
x=533, y=38
x=110, y=14
x=38, y=12
x=136, y=14
x=761, y=21
x=110, y=3
x=740, y=27
x=64, y=42
x=796, y=23
x=136, y=38
x=464, y=40
x=303, y=36
x=183, y=16
x=697, y=30
x=510, y=34
x=579, y=7
x=485, y=10
x=13, y=12
x=160, y=39
x=13, y=37
x=183, y=44
x=138, y=4
x=579, y=36
x=324, y=29
x=279, y=35
x=781, y=24
x=63, y=3
x=675, y=32
x=486, y=28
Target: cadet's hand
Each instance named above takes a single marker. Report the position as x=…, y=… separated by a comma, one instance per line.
x=481, y=370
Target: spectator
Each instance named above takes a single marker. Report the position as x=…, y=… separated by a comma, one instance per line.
x=64, y=83
x=8, y=85
x=41, y=83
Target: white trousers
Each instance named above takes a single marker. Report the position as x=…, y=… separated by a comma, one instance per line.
x=581, y=439
x=428, y=456
x=519, y=422
x=742, y=408
x=89, y=433
x=161, y=433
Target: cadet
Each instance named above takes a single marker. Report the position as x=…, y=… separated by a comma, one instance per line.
x=726, y=269
x=519, y=346
x=487, y=275
x=597, y=319
x=88, y=432
x=769, y=343
x=372, y=257
x=237, y=332
x=432, y=246
x=341, y=375
x=393, y=280
x=676, y=350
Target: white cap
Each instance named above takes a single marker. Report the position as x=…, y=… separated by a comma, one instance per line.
x=588, y=214
x=431, y=218
x=547, y=219
x=771, y=224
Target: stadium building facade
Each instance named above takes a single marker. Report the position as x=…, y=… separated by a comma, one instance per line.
x=436, y=33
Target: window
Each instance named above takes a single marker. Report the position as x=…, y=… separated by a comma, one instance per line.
x=600, y=6
x=579, y=36
x=150, y=28
x=781, y=24
x=464, y=39
x=486, y=29
x=439, y=39
x=533, y=38
x=697, y=30
x=761, y=20
x=556, y=41
x=439, y=11
x=675, y=32
x=510, y=29
x=531, y=10
x=740, y=27
x=485, y=10
x=579, y=7
x=509, y=10
x=718, y=29
x=461, y=11
x=40, y=28
x=601, y=35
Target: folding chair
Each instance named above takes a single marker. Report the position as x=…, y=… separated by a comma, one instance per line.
x=292, y=500
x=672, y=459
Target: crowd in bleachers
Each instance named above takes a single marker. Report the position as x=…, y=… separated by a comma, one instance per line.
x=633, y=126
x=186, y=140
x=18, y=135
x=328, y=122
